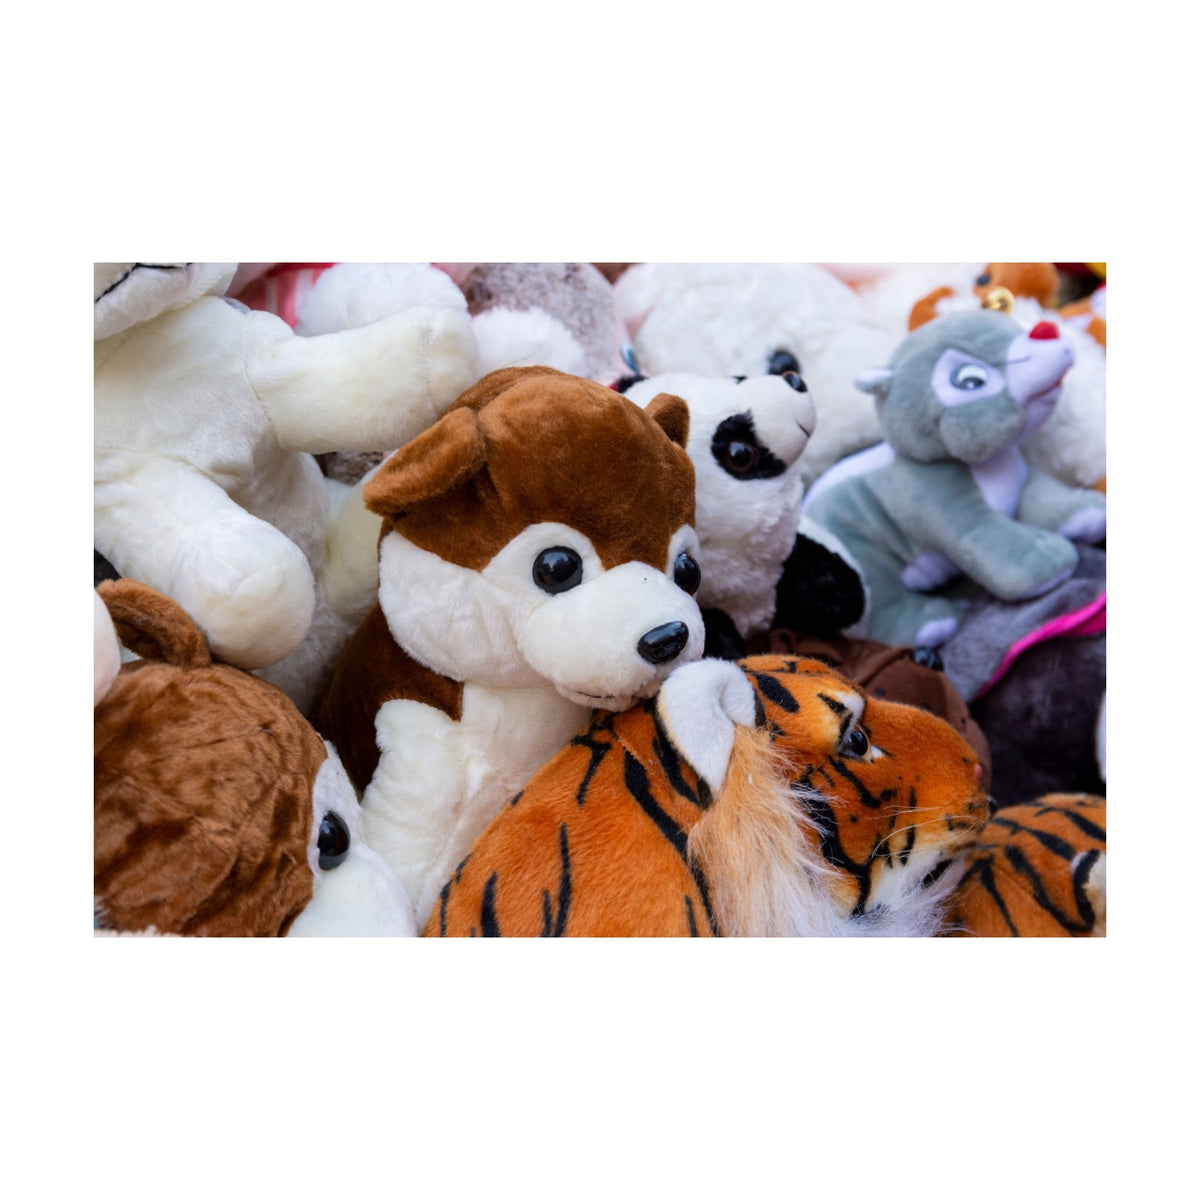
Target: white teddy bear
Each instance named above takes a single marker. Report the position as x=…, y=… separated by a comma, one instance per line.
x=206, y=419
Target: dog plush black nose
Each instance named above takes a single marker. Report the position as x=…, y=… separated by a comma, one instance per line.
x=664, y=643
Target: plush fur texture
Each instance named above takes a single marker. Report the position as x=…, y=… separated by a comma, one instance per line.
x=732, y=318
x=211, y=792
x=549, y=314
x=827, y=813
x=206, y=419
x=747, y=439
x=469, y=674
x=952, y=493
x=1038, y=870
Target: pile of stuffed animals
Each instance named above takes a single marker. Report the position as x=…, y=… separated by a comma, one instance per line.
x=573, y=599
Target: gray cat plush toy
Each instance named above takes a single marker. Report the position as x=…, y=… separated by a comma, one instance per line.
x=949, y=492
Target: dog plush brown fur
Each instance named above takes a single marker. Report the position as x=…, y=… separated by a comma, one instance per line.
x=462, y=650
x=212, y=795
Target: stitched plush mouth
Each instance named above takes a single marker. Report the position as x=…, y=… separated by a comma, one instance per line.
x=137, y=267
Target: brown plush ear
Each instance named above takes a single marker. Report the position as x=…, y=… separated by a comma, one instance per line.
x=925, y=309
x=671, y=413
x=431, y=465
x=495, y=382
x=152, y=625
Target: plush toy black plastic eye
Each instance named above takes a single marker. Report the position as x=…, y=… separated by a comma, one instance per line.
x=739, y=457
x=781, y=362
x=793, y=380
x=983, y=280
x=333, y=842
x=857, y=743
x=687, y=573
x=558, y=569
x=969, y=377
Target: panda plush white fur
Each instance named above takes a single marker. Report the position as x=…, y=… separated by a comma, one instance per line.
x=763, y=565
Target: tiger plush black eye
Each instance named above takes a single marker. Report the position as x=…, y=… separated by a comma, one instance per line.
x=687, y=573
x=739, y=457
x=857, y=743
x=557, y=569
x=333, y=841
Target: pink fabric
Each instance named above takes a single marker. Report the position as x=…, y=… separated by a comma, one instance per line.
x=1084, y=622
x=282, y=289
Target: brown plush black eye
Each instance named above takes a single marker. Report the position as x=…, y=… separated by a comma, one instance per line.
x=557, y=569
x=333, y=842
x=857, y=743
x=687, y=573
x=739, y=457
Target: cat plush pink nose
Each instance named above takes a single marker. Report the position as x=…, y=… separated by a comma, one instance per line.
x=1044, y=331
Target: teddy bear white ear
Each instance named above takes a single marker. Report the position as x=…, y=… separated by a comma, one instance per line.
x=699, y=704
x=877, y=381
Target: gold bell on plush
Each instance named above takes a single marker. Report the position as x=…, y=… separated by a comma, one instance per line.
x=999, y=299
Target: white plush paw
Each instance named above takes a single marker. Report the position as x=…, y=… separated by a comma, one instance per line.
x=350, y=295
x=249, y=589
x=928, y=571
x=1088, y=525
x=935, y=632
x=699, y=704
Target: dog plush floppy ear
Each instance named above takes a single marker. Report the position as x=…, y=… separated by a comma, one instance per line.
x=434, y=464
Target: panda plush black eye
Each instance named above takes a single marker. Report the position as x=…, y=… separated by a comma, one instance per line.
x=333, y=842
x=781, y=362
x=738, y=451
x=739, y=458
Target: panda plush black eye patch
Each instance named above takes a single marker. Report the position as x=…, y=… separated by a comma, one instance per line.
x=738, y=451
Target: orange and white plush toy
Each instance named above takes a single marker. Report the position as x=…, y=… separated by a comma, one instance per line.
x=1038, y=870
x=207, y=416
x=218, y=811
x=771, y=797
x=537, y=559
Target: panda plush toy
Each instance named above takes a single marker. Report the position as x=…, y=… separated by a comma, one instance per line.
x=763, y=566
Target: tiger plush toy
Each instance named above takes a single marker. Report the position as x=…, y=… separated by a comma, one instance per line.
x=770, y=797
x=1038, y=870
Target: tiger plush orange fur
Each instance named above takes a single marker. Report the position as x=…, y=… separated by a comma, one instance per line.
x=771, y=797
x=1038, y=870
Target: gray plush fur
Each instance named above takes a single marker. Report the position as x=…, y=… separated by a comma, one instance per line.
x=957, y=497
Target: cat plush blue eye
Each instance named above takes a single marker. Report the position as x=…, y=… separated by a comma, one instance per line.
x=969, y=377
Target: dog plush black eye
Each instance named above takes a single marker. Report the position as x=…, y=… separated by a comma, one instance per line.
x=969, y=377
x=781, y=362
x=557, y=569
x=739, y=457
x=793, y=380
x=687, y=573
x=857, y=743
x=333, y=842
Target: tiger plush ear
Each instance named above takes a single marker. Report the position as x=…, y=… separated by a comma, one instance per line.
x=700, y=705
x=433, y=464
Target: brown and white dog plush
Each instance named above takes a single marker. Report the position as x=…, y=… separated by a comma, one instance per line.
x=218, y=809
x=537, y=560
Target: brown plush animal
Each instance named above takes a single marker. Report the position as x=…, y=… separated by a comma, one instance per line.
x=770, y=797
x=1038, y=871
x=218, y=810
x=537, y=560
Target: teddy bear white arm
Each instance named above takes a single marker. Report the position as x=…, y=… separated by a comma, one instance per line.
x=369, y=388
x=246, y=584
